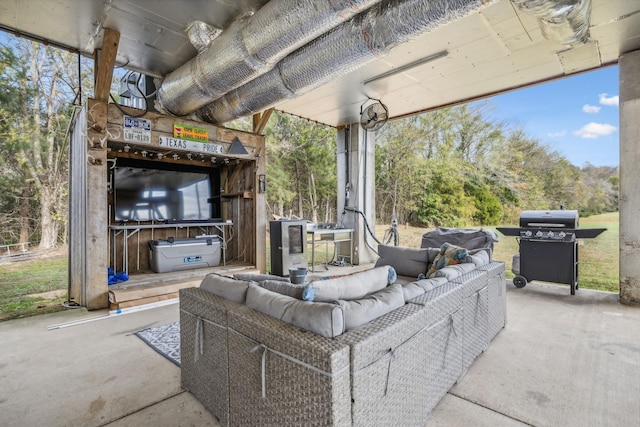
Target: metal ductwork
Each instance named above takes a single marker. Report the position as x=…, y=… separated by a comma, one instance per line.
x=250, y=47
x=362, y=39
x=563, y=21
x=201, y=35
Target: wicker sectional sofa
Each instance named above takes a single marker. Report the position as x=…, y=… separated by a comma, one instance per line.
x=248, y=367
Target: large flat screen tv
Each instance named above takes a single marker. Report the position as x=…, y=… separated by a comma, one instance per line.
x=154, y=191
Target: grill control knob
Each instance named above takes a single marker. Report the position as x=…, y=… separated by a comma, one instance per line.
x=550, y=234
x=528, y=233
x=539, y=234
x=562, y=234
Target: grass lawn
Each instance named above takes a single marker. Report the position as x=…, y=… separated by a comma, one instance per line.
x=39, y=285
x=34, y=286
x=598, y=258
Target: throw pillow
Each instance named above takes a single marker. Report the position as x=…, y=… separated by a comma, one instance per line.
x=449, y=255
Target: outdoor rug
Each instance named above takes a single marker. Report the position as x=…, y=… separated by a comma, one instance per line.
x=164, y=339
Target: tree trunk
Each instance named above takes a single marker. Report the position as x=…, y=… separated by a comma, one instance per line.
x=327, y=211
x=49, y=236
x=299, y=192
x=313, y=197
x=24, y=214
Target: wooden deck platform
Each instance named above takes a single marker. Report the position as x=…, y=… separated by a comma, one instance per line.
x=148, y=287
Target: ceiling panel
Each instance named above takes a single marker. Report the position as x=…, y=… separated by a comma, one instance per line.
x=496, y=49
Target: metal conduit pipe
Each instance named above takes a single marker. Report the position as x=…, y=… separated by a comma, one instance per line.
x=250, y=47
x=360, y=40
x=563, y=21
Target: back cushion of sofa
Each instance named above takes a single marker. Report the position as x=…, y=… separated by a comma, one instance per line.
x=351, y=286
x=361, y=311
x=258, y=277
x=284, y=288
x=226, y=287
x=406, y=261
x=451, y=272
x=324, y=319
x=479, y=257
x=419, y=287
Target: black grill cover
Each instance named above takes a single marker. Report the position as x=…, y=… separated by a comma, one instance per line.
x=464, y=237
x=549, y=219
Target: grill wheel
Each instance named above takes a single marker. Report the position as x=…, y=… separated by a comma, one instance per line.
x=519, y=282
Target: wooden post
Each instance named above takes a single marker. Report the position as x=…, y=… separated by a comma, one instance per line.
x=260, y=209
x=260, y=121
x=105, y=63
x=96, y=214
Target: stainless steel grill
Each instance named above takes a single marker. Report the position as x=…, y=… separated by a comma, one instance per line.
x=549, y=246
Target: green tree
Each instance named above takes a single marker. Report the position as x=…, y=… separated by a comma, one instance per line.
x=301, y=168
x=400, y=174
x=40, y=81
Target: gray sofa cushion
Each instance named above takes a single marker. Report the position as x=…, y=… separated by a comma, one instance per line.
x=479, y=257
x=284, y=288
x=361, y=311
x=351, y=286
x=324, y=319
x=226, y=287
x=406, y=261
x=419, y=287
x=451, y=272
x=257, y=277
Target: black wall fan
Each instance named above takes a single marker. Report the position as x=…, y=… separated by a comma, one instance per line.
x=374, y=116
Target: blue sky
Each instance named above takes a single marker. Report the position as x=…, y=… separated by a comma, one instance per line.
x=575, y=116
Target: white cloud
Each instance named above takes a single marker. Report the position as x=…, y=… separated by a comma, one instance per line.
x=608, y=100
x=595, y=130
x=557, y=134
x=591, y=109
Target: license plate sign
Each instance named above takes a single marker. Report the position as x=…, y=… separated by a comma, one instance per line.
x=136, y=130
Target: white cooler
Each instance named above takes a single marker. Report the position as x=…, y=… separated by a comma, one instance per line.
x=184, y=254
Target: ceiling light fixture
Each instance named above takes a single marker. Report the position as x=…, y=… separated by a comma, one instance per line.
x=407, y=67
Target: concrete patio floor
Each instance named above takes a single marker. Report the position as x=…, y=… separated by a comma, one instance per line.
x=561, y=360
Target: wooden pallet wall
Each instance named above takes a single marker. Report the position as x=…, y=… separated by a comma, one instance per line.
x=238, y=174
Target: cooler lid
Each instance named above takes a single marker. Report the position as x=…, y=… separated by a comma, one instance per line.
x=208, y=240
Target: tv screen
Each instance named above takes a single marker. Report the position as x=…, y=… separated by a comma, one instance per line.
x=154, y=192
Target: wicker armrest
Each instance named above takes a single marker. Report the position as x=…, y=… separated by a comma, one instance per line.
x=283, y=375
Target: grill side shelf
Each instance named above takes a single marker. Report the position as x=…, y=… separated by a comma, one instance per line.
x=589, y=233
x=509, y=231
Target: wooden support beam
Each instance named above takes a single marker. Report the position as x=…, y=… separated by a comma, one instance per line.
x=105, y=63
x=256, y=121
x=260, y=121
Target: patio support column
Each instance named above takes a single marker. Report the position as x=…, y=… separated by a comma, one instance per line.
x=629, y=204
x=356, y=190
x=95, y=212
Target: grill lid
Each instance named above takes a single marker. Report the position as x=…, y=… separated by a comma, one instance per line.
x=549, y=219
